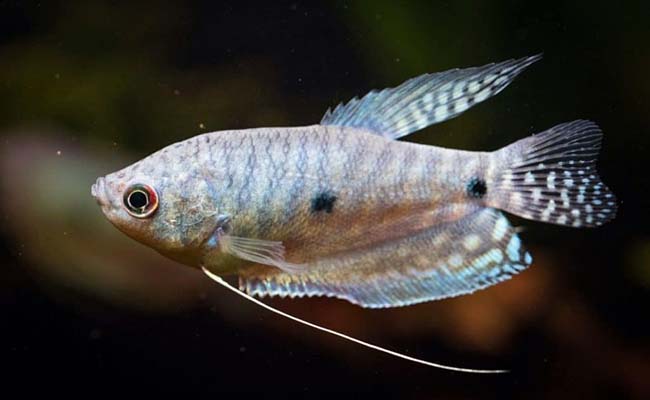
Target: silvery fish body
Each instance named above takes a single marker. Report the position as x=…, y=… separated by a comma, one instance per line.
x=342, y=209
x=320, y=190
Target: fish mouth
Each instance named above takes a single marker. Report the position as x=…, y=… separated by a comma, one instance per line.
x=98, y=191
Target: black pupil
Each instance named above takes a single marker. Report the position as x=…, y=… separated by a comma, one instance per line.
x=138, y=200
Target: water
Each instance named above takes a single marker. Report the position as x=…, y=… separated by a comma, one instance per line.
x=87, y=88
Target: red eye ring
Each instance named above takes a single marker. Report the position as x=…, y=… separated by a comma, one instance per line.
x=140, y=200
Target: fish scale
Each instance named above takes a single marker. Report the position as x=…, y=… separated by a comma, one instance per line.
x=343, y=209
x=365, y=195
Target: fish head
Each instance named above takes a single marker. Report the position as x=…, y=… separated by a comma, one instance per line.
x=162, y=205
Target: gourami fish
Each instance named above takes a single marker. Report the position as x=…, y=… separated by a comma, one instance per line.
x=342, y=209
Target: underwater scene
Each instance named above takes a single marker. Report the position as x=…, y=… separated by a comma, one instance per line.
x=412, y=200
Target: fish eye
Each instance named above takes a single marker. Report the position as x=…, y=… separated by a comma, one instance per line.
x=141, y=201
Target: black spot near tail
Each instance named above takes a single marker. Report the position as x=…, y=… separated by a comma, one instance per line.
x=476, y=188
x=323, y=201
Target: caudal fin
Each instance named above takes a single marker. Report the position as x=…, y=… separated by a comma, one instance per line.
x=551, y=177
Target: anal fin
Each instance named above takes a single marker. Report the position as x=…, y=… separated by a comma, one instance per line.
x=446, y=260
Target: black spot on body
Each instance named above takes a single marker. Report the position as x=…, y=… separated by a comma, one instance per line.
x=323, y=201
x=476, y=188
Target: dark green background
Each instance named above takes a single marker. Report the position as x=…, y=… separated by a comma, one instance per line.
x=86, y=87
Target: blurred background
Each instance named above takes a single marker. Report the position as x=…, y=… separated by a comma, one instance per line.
x=89, y=87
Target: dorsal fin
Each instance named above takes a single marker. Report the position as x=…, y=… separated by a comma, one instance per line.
x=426, y=99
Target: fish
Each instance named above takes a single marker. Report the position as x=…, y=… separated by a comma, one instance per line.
x=343, y=209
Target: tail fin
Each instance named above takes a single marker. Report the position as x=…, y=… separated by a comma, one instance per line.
x=552, y=177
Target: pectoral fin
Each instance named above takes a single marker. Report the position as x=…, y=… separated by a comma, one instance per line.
x=446, y=260
x=258, y=251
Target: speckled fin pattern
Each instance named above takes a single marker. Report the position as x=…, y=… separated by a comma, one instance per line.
x=426, y=99
x=551, y=177
x=447, y=260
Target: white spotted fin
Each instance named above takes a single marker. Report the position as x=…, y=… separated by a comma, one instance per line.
x=446, y=260
x=551, y=177
x=426, y=100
